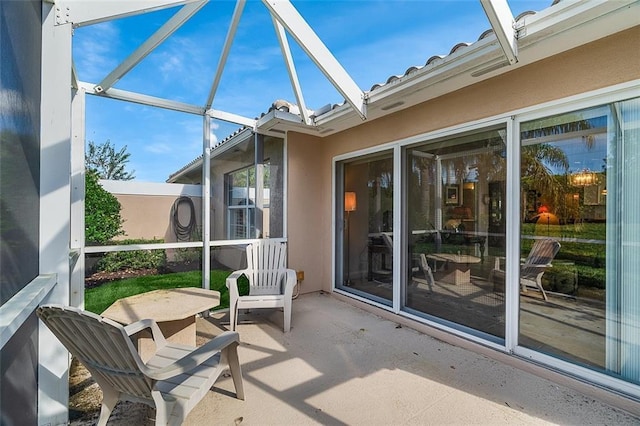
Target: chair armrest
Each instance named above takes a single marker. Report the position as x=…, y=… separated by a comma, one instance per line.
x=195, y=358
x=143, y=324
x=232, y=285
x=536, y=265
x=291, y=279
x=232, y=280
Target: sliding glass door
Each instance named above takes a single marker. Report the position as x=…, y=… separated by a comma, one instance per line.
x=580, y=191
x=366, y=232
x=455, y=230
x=566, y=294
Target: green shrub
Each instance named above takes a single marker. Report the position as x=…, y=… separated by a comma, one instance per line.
x=102, y=212
x=591, y=277
x=191, y=254
x=561, y=278
x=135, y=259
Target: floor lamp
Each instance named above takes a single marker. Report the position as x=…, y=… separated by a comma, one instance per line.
x=349, y=206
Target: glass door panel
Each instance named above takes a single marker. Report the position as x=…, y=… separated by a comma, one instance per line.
x=366, y=200
x=580, y=174
x=455, y=215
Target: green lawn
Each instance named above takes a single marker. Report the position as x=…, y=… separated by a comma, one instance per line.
x=98, y=299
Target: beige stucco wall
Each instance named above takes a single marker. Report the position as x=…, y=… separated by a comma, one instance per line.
x=604, y=63
x=149, y=216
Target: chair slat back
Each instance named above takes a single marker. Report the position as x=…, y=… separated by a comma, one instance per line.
x=266, y=265
x=542, y=253
x=102, y=346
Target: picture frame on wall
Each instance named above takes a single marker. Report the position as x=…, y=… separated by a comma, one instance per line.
x=452, y=195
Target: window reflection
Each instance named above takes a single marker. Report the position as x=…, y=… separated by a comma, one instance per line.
x=578, y=312
x=456, y=223
x=367, y=233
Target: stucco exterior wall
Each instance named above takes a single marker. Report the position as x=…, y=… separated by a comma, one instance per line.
x=309, y=211
x=149, y=216
x=603, y=63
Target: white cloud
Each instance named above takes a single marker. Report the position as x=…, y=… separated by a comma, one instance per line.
x=94, y=50
x=184, y=63
x=158, y=148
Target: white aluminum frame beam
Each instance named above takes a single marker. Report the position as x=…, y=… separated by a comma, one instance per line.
x=88, y=12
x=232, y=118
x=206, y=202
x=127, y=96
x=284, y=12
x=168, y=28
x=78, y=195
x=291, y=68
x=502, y=21
x=233, y=26
x=124, y=95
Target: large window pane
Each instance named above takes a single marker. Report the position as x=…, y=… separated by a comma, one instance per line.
x=367, y=238
x=579, y=191
x=455, y=215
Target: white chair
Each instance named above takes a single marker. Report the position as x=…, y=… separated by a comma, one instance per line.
x=271, y=284
x=534, y=266
x=173, y=381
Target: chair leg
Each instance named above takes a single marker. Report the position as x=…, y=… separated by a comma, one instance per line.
x=539, y=283
x=109, y=400
x=287, y=314
x=164, y=408
x=233, y=315
x=234, y=367
x=428, y=275
x=426, y=269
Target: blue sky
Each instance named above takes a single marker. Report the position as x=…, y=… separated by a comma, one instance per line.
x=372, y=40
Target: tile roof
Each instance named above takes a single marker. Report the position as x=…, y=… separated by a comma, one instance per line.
x=198, y=160
x=432, y=62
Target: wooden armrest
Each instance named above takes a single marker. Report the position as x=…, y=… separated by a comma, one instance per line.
x=195, y=358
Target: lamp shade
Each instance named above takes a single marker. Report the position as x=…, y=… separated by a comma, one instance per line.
x=349, y=201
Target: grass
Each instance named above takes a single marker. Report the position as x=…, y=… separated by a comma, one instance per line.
x=589, y=231
x=98, y=299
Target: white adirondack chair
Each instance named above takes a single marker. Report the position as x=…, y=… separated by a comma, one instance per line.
x=271, y=284
x=531, y=271
x=173, y=381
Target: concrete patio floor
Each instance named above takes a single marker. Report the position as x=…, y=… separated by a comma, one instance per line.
x=343, y=365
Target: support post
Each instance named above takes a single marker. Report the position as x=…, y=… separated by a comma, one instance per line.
x=259, y=162
x=55, y=215
x=76, y=260
x=206, y=202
